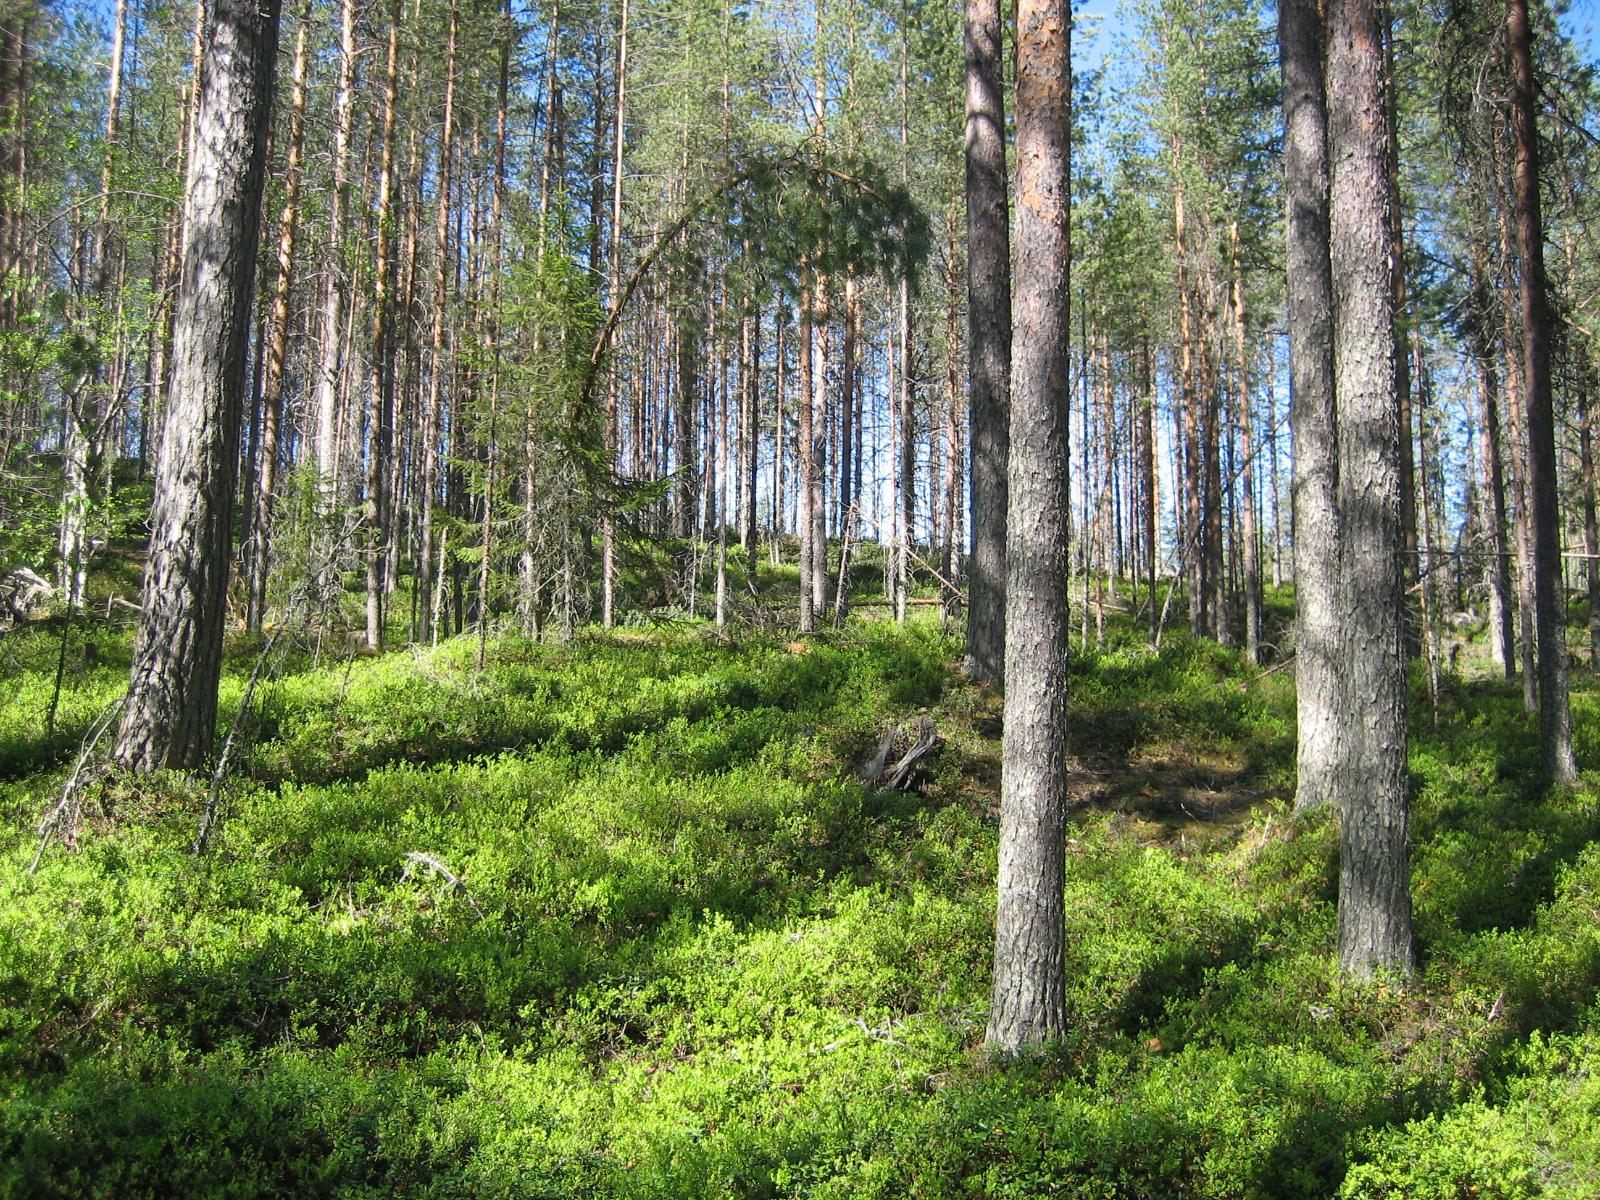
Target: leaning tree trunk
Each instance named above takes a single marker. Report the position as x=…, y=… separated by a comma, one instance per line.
x=1029, y=1001
x=1316, y=473
x=1555, y=713
x=988, y=338
x=1371, y=775
x=170, y=713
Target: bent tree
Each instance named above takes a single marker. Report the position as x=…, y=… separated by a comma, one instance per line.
x=1029, y=999
x=171, y=708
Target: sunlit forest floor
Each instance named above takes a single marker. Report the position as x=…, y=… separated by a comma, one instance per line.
x=680, y=952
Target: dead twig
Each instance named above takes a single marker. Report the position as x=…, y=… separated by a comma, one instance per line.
x=62, y=820
x=416, y=858
x=878, y=772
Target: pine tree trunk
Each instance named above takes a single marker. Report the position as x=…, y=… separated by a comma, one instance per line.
x=988, y=337
x=1316, y=473
x=1397, y=289
x=1555, y=714
x=808, y=452
x=1372, y=781
x=949, y=551
x=1215, y=607
x=1591, y=530
x=750, y=441
x=335, y=279
x=169, y=717
x=427, y=484
x=906, y=477
x=1252, y=550
x=608, y=524
x=819, y=449
x=1193, y=533
x=1029, y=1003
x=1502, y=641
x=380, y=418
x=1147, y=471
x=496, y=270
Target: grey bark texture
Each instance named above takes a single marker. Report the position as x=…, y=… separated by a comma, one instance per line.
x=1028, y=1004
x=1316, y=473
x=988, y=338
x=170, y=714
x=1370, y=761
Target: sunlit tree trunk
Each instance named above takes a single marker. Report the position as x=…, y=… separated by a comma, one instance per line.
x=1029, y=995
x=169, y=716
x=608, y=525
x=1372, y=782
x=1501, y=640
x=1316, y=473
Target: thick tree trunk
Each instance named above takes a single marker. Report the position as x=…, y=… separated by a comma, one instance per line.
x=988, y=338
x=1316, y=473
x=1374, y=873
x=1029, y=1005
x=169, y=717
x=1555, y=714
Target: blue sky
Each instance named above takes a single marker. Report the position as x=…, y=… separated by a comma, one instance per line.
x=1100, y=21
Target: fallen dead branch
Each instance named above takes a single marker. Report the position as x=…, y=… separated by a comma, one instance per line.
x=416, y=858
x=879, y=773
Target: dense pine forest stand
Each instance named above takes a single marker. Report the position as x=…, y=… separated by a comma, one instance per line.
x=568, y=312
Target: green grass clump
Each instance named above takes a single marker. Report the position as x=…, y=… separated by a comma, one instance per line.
x=690, y=956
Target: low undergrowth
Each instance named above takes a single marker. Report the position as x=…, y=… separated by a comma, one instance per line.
x=613, y=919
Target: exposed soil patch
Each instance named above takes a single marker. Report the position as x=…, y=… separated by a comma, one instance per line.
x=1172, y=796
